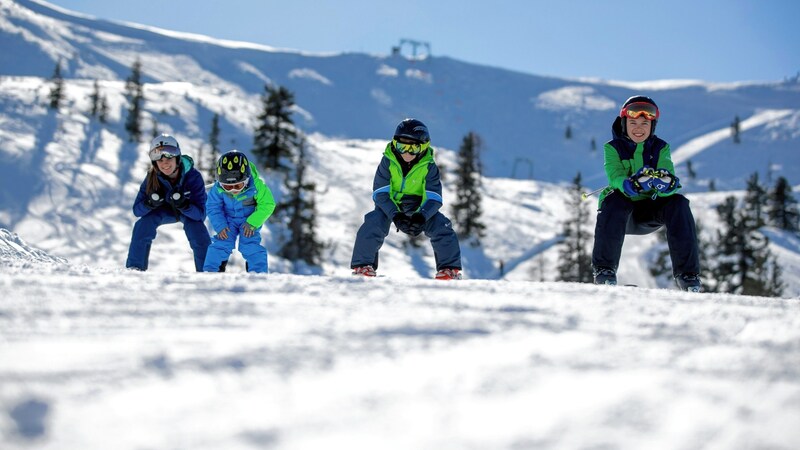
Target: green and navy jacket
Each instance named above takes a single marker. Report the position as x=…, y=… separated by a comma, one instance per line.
x=254, y=204
x=420, y=190
x=623, y=158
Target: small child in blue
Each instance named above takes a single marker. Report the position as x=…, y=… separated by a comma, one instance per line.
x=238, y=205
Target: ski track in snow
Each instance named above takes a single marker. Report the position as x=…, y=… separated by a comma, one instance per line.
x=97, y=358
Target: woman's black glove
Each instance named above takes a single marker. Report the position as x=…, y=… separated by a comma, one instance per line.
x=180, y=200
x=154, y=200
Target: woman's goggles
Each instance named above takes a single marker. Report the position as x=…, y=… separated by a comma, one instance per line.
x=165, y=151
x=639, y=109
x=414, y=149
x=234, y=187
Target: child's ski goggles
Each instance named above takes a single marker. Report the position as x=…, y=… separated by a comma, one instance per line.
x=640, y=109
x=165, y=151
x=234, y=187
x=414, y=149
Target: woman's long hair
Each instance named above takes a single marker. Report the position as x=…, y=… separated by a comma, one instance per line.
x=153, y=185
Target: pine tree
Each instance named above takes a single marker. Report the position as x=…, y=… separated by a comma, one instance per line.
x=575, y=259
x=782, y=210
x=729, y=240
x=467, y=206
x=134, y=91
x=276, y=137
x=754, y=200
x=736, y=129
x=213, y=140
x=57, y=91
x=103, y=117
x=95, y=99
x=299, y=210
x=744, y=263
x=690, y=170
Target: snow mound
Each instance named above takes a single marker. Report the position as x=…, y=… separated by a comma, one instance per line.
x=15, y=250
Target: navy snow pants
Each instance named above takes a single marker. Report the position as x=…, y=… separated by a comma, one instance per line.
x=618, y=216
x=373, y=232
x=144, y=231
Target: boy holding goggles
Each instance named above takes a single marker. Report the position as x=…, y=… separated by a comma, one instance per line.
x=641, y=197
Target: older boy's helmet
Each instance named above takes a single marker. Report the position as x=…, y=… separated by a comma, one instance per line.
x=636, y=106
x=233, y=167
x=164, y=146
x=412, y=129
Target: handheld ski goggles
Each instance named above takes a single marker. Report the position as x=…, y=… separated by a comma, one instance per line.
x=234, y=187
x=414, y=148
x=640, y=109
x=165, y=151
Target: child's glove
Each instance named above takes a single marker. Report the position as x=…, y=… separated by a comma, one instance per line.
x=666, y=182
x=416, y=224
x=248, y=230
x=153, y=201
x=630, y=187
x=402, y=222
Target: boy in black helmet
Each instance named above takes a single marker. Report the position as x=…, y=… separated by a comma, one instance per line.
x=642, y=197
x=238, y=205
x=407, y=191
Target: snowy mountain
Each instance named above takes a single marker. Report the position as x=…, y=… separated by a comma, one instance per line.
x=68, y=181
x=521, y=117
x=99, y=358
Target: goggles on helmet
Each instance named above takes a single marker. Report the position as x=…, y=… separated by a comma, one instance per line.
x=234, y=187
x=639, y=109
x=413, y=148
x=165, y=151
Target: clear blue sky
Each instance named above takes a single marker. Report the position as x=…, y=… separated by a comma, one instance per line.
x=712, y=40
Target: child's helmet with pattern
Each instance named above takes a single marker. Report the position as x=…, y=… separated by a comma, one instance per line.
x=233, y=167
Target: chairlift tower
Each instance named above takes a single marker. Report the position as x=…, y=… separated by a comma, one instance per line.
x=414, y=44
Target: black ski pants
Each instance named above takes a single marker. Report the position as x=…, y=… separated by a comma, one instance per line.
x=618, y=215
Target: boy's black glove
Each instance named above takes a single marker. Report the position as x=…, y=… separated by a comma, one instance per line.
x=180, y=200
x=402, y=222
x=154, y=200
x=417, y=224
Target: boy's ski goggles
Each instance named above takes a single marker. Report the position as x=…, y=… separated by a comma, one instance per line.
x=234, y=187
x=165, y=151
x=639, y=109
x=414, y=149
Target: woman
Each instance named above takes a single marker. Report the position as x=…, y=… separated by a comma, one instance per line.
x=173, y=191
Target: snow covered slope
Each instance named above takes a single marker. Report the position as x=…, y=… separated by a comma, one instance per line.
x=97, y=358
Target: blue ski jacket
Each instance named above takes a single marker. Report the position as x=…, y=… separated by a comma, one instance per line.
x=190, y=183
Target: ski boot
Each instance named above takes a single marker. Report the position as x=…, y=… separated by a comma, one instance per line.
x=605, y=275
x=448, y=274
x=689, y=282
x=364, y=271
